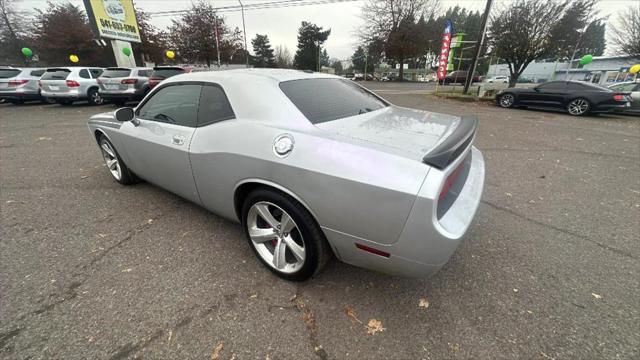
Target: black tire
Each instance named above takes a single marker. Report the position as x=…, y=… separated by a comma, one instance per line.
x=94, y=98
x=47, y=101
x=317, y=251
x=506, y=97
x=127, y=177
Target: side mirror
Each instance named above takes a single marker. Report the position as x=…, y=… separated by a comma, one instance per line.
x=125, y=114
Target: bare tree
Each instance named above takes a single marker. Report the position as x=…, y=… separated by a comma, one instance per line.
x=394, y=23
x=11, y=32
x=625, y=35
x=283, y=57
x=521, y=32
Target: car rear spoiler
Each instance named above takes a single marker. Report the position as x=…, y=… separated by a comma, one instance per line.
x=449, y=149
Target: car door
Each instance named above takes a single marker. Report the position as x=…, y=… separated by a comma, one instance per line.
x=157, y=141
x=551, y=94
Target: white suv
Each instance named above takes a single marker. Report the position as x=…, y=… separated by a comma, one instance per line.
x=68, y=84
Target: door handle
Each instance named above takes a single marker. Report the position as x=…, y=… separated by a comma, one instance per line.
x=177, y=140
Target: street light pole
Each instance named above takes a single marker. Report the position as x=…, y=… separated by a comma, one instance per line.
x=479, y=42
x=244, y=29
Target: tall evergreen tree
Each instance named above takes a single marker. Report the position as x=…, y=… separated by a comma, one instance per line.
x=324, y=58
x=263, y=53
x=310, y=40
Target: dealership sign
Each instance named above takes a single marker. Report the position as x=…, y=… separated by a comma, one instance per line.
x=443, y=58
x=113, y=19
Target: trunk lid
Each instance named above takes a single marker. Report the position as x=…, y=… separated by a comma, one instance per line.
x=436, y=139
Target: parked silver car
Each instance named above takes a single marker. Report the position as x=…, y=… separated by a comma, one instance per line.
x=310, y=164
x=68, y=84
x=18, y=85
x=632, y=87
x=120, y=85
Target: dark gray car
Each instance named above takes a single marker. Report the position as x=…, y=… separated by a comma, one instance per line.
x=120, y=85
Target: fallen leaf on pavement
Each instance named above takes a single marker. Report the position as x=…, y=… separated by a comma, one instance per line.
x=596, y=296
x=374, y=326
x=424, y=303
x=215, y=354
x=351, y=313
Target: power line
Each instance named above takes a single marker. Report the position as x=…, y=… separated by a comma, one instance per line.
x=255, y=6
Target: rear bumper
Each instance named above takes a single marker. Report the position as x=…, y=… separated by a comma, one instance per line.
x=426, y=242
x=612, y=107
x=71, y=95
x=20, y=95
x=122, y=94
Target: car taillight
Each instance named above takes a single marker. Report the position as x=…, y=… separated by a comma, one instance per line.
x=40, y=83
x=619, y=97
x=129, y=81
x=17, y=82
x=450, y=180
x=72, y=83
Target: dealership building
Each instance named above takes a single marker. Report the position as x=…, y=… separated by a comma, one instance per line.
x=603, y=70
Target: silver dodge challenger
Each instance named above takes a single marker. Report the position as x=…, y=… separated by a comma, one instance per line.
x=310, y=164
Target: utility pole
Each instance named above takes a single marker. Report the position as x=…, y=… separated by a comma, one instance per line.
x=244, y=29
x=474, y=62
x=215, y=19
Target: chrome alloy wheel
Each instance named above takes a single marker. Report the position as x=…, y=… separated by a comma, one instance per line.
x=276, y=237
x=578, y=107
x=506, y=100
x=111, y=159
x=96, y=98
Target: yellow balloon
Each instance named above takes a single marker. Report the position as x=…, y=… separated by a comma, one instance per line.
x=74, y=58
x=635, y=69
x=170, y=54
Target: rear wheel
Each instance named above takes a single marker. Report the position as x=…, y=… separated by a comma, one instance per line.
x=118, y=169
x=506, y=100
x=94, y=97
x=283, y=235
x=578, y=107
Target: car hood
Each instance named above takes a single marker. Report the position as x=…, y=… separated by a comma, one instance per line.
x=408, y=132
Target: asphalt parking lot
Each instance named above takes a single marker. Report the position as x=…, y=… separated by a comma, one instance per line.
x=90, y=269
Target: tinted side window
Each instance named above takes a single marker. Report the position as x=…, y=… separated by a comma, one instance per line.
x=214, y=106
x=96, y=72
x=144, y=73
x=575, y=86
x=84, y=74
x=175, y=104
x=552, y=86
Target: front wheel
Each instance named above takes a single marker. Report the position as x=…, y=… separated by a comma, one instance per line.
x=119, y=171
x=283, y=235
x=578, y=107
x=506, y=100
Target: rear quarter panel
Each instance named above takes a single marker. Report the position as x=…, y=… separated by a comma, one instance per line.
x=348, y=188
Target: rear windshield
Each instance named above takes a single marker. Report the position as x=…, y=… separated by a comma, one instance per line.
x=165, y=73
x=115, y=73
x=9, y=73
x=322, y=100
x=55, y=74
x=37, y=72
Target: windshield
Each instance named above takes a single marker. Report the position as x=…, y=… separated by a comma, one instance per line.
x=115, y=73
x=322, y=100
x=56, y=74
x=9, y=73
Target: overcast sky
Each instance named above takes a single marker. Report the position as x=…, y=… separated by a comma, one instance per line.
x=281, y=24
